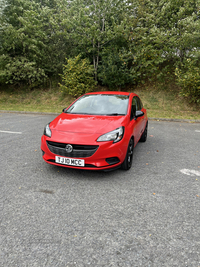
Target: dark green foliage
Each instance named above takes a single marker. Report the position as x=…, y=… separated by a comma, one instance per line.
x=93, y=24
x=31, y=32
x=125, y=42
x=114, y=70
x=19, y=70
x=188, y=78
x=163, y=33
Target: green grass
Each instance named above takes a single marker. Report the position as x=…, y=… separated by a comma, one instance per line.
x=35, y=101
x=160, y=103
x=167, y=104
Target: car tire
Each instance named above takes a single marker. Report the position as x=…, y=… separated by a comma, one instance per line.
x=126, y=165
x=143, y=137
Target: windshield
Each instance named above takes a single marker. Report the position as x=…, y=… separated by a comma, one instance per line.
x=113, y=105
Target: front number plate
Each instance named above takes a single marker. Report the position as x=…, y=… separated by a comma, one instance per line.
x=70, y=161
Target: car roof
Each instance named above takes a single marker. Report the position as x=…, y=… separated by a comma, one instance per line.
x=110, y=93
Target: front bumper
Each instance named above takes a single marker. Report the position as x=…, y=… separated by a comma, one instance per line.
x=108, y=155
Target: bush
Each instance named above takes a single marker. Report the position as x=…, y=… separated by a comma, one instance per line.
x=188, y=78
x=20, y=71
x=78, y=77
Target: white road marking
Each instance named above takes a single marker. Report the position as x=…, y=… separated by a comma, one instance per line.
x=10, y=132
x=190, y=172
x=197, y=131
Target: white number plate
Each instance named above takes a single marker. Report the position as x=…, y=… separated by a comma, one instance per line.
x=70, y=161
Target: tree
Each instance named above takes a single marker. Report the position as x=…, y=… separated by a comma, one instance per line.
x=94, y=24
x=162, y=34
x=77, y=77
x=31, y=36
x=114, y=70
x=127, y=41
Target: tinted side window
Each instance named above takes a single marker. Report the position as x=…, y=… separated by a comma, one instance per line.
x=133, y=107
x=139, y=104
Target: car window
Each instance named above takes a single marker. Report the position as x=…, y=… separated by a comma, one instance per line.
x=133, y=107
x=141, y=105
x=138, y=103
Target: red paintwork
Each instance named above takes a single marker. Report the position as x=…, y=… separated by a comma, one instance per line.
x=85, y=130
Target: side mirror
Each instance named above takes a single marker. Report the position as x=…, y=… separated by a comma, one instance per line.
x=139, y=113
x=63, y=110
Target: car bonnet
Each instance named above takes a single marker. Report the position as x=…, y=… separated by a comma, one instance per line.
x=86, y=123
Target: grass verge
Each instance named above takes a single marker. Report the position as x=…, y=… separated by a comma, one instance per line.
x=160, y=103
x=35, y=100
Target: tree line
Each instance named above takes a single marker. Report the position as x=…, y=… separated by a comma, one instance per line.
x=106, y=42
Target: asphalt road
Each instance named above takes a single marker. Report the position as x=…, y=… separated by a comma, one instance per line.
x=53, y=216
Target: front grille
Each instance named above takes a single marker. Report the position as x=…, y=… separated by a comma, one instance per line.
x=79, y=151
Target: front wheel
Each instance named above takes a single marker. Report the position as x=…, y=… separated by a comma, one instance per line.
x=126, y=165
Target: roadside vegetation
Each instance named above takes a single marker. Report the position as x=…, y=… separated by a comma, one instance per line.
x=149, y=46
x=162, y=102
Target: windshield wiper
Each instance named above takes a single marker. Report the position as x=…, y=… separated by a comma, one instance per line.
x=84, y=113
x=115, y=114
x=79, y=113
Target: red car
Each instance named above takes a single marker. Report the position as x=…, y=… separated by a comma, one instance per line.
x=96, y=132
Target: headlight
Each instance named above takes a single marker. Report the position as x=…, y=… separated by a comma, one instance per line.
x=114, y=136
x=47, y=131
